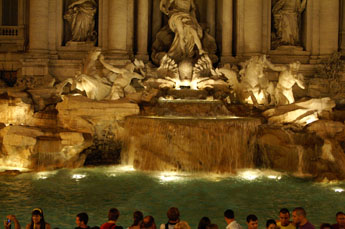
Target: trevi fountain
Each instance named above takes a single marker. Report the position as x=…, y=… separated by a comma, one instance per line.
x=147, y=104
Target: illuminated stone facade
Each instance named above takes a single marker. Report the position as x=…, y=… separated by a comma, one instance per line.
x=36, y=44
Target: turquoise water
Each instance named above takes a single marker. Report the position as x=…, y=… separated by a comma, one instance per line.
x=64, y=193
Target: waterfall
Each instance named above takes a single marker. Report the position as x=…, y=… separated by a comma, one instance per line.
x=300, y=151
x=219, y=144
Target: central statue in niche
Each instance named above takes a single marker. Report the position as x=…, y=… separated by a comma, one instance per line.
x=183, y=22
x=183, y=49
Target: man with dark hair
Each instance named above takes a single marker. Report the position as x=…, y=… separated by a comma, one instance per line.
x=252, y=222
x=340, y=217
x=299, y=217
x=113, y=215
x=81, y=221
x=284, y=222
x=173, y=215
x=229, y=217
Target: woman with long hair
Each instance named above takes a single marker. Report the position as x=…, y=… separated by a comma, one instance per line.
x=37, y=220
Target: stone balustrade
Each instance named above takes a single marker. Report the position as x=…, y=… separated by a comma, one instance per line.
x=13, y=37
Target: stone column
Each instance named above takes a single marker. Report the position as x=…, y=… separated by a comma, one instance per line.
x=117, y=27
x=227, y=30
x=313, y=27
x=342, y=28
x=156, y=19
x=253, y=26
x=249, y=22
x=0, y=12
x=38, y=26
x=329, y=26
x=142, y=29
x=211, y=16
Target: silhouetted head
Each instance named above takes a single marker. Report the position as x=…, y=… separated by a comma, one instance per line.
x=298, y=215
x=82, y=219
x=252, y=222
x=284, y=216
x=113, y=214
x=173, y=214
x=137, y=217
x=271, y=224
x=37, y=217
x=204, y=222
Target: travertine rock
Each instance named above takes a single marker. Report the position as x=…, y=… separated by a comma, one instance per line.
x=84, y=115
x=40, y=149
x=301, y=113
x=14, y=111
x=300, y=153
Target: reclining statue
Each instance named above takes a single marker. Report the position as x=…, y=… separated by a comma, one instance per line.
x=113, y=86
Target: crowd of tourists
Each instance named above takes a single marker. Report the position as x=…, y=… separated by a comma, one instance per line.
x=299, y=221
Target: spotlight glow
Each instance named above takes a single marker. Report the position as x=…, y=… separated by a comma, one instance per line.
x=339, y=190
x=44, y=175
x=78, y=176
x=249, y=175
x=169, y=177
x=274, y=177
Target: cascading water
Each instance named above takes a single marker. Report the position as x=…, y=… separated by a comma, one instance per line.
x=185, y=143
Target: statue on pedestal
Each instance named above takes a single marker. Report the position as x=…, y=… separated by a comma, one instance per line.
x=287, y=22
x=81, y=18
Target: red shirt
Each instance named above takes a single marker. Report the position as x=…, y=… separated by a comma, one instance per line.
x=108, y=226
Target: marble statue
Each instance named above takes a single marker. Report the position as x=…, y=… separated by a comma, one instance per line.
x=123, y=77
x=287, y=17
x=288, y=77
x=230, y=75
x=113, y=86
x=183, y=22
x=255, y=87
x=81, y=18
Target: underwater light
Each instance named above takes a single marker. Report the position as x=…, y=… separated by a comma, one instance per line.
x=44, y=175
x=78, y=176
x=169, y=177
x=125, y=168
x=274, y=177
x=249, y=175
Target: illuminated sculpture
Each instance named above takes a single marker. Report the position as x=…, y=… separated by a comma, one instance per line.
x=113, y=86
x=288, y=77
x=255, y=87
x=183, y=22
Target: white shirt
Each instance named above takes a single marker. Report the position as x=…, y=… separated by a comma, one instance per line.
x=170, y=226
x=233, y=225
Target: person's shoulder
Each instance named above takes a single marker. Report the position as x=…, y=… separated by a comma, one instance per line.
x=28, y=226
x=335, y=226
x=47, y=226
x=291, y=226
x=162, y=226
x=308, y=225
x=234, y=225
